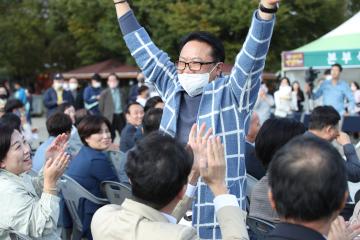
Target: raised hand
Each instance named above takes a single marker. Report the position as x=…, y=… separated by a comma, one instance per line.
x=197, y=142
x=53, y=170
x=57, y=146
x=213, y=167
x=340, y=230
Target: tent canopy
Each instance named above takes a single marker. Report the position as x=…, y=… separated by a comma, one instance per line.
x=341, y=45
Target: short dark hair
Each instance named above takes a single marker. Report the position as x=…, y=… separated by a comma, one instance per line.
x=127, y=108
x=58, y=123
x=158, y=168
x=287, y=79
x=152, y=120
x=62, y=107
x=355, y=83
x=337, y=65
x=323, y=116
x=307, y=179
x=142, y=89
x=91, y=124
x=218, y=51
x=274, y=134
x=5, y=140
x=151, y=102
x=13, y=104
x=96, y=77
x=11, y=120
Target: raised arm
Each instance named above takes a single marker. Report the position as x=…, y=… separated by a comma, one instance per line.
x=250, y=62
x=154, y=63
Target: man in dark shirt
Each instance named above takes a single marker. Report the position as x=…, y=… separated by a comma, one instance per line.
x=312, y=174
x=132, y=131
x=324, y=124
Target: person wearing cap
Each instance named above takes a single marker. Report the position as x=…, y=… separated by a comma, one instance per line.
x=56, y=95
x=92, y=95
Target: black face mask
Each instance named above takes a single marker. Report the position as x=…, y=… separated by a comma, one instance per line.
x=3, y=96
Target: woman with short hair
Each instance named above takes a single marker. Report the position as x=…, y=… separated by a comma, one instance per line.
x=28, y=205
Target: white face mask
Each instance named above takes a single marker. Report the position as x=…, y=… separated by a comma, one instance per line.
x=96, y=85
x=73, y=86
x=66, y=86
x=113, y=85
x=328, y=77
x=194, y=83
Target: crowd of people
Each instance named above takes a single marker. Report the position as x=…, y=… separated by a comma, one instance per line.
x=189, y=138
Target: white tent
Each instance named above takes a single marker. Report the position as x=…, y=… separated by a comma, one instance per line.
x=341, y=45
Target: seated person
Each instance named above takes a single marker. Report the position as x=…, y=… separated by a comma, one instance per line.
x=11, y=120
x=28, y=205
x=324, y=124
x=159, y=169
x=273, y=134
x=56, y=124
x=132, y=131
x=91, y=166
x=154, y=102
x=151, y=123
x=17, y=107
x=253, y=165
x=308, y=189
x=75, y=143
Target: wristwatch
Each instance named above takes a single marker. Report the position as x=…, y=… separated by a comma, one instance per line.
x=268, y=10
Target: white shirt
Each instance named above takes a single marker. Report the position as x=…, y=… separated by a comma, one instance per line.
x=23, y=210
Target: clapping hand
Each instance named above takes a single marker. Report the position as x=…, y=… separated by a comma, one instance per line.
x=197, y=142
x=213, y=167
x=53, y=170
x=57, y=147
x=340, y=230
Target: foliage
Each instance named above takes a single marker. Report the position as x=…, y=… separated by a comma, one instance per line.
x=63, y=34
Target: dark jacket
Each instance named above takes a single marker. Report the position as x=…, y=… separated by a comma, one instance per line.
x=50, y=99
x=289, y=231
x=253, y=165
x=89, y=168
x=352, y=162
x=129, y=136
x=78, y=96
x=90, y=101
x=106, y=104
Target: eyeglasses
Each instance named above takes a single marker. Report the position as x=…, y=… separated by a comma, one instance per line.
x=193, y=66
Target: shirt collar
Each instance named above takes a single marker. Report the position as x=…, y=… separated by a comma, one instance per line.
x=170, y=218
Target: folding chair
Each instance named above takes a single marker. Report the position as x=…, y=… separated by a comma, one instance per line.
x=250, y=183
x=305, y=119
x=116, y=192
x=351, y=124
x=260, y=228
x=73, y=192
x=14, y=235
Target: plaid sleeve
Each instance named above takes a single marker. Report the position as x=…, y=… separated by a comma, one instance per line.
x=155, y=64
x=250, y=62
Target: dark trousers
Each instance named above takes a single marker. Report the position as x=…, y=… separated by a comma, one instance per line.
x=117, y=124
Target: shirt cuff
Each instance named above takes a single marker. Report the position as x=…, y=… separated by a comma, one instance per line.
x=190, y=191
x=128, y=23
x=225, y=200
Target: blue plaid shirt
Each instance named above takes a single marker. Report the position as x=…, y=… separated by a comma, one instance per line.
x=225, y=106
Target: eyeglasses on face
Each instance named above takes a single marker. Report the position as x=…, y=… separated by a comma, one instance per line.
x=193, y=66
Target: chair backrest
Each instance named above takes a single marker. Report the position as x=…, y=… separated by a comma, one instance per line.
x=305, y=119
x=259, y=227
x=116, y=192
x=73, y=192
x=14, y=235
x=250, y=183
x=351, y=124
